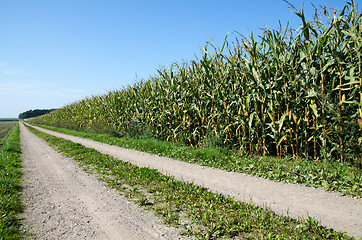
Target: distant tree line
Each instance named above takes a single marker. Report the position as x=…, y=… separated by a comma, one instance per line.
x=34, y=113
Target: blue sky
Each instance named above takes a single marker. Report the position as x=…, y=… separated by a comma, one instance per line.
x=53, y=53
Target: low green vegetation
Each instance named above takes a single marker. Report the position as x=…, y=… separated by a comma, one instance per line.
x=329, y=175
x=196, y=210
x=6, y=124
x=10, y=186
x=8, y=119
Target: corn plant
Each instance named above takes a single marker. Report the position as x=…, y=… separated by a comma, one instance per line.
x=282, y=93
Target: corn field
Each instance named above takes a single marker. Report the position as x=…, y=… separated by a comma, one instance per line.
x=286, y=92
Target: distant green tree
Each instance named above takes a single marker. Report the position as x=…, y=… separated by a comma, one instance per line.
x=34, y=113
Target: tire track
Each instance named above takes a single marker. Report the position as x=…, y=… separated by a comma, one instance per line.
x=342, y=213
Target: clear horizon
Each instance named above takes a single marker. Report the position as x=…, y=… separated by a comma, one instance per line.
x=54, y=53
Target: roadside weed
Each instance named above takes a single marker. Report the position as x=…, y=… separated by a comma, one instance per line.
x=345, y=179
x=10, y=186
x=201, y=213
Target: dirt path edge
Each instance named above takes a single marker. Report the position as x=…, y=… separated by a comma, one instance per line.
x=342, y=213
x=64, y=202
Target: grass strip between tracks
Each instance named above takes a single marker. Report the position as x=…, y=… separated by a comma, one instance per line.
x=197, y=210
x=346, y=180
x=10, y=186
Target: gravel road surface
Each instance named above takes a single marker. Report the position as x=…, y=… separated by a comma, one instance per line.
x=63, y=202
x=341, y=213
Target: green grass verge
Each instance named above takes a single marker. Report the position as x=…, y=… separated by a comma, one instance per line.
x=197, y=210
x=10, y=186
x=331, y=176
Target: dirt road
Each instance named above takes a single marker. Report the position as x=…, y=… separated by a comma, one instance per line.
x=330, y=209
x=63, y=202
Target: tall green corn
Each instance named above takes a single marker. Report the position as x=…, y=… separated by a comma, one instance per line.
x=285, y=92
